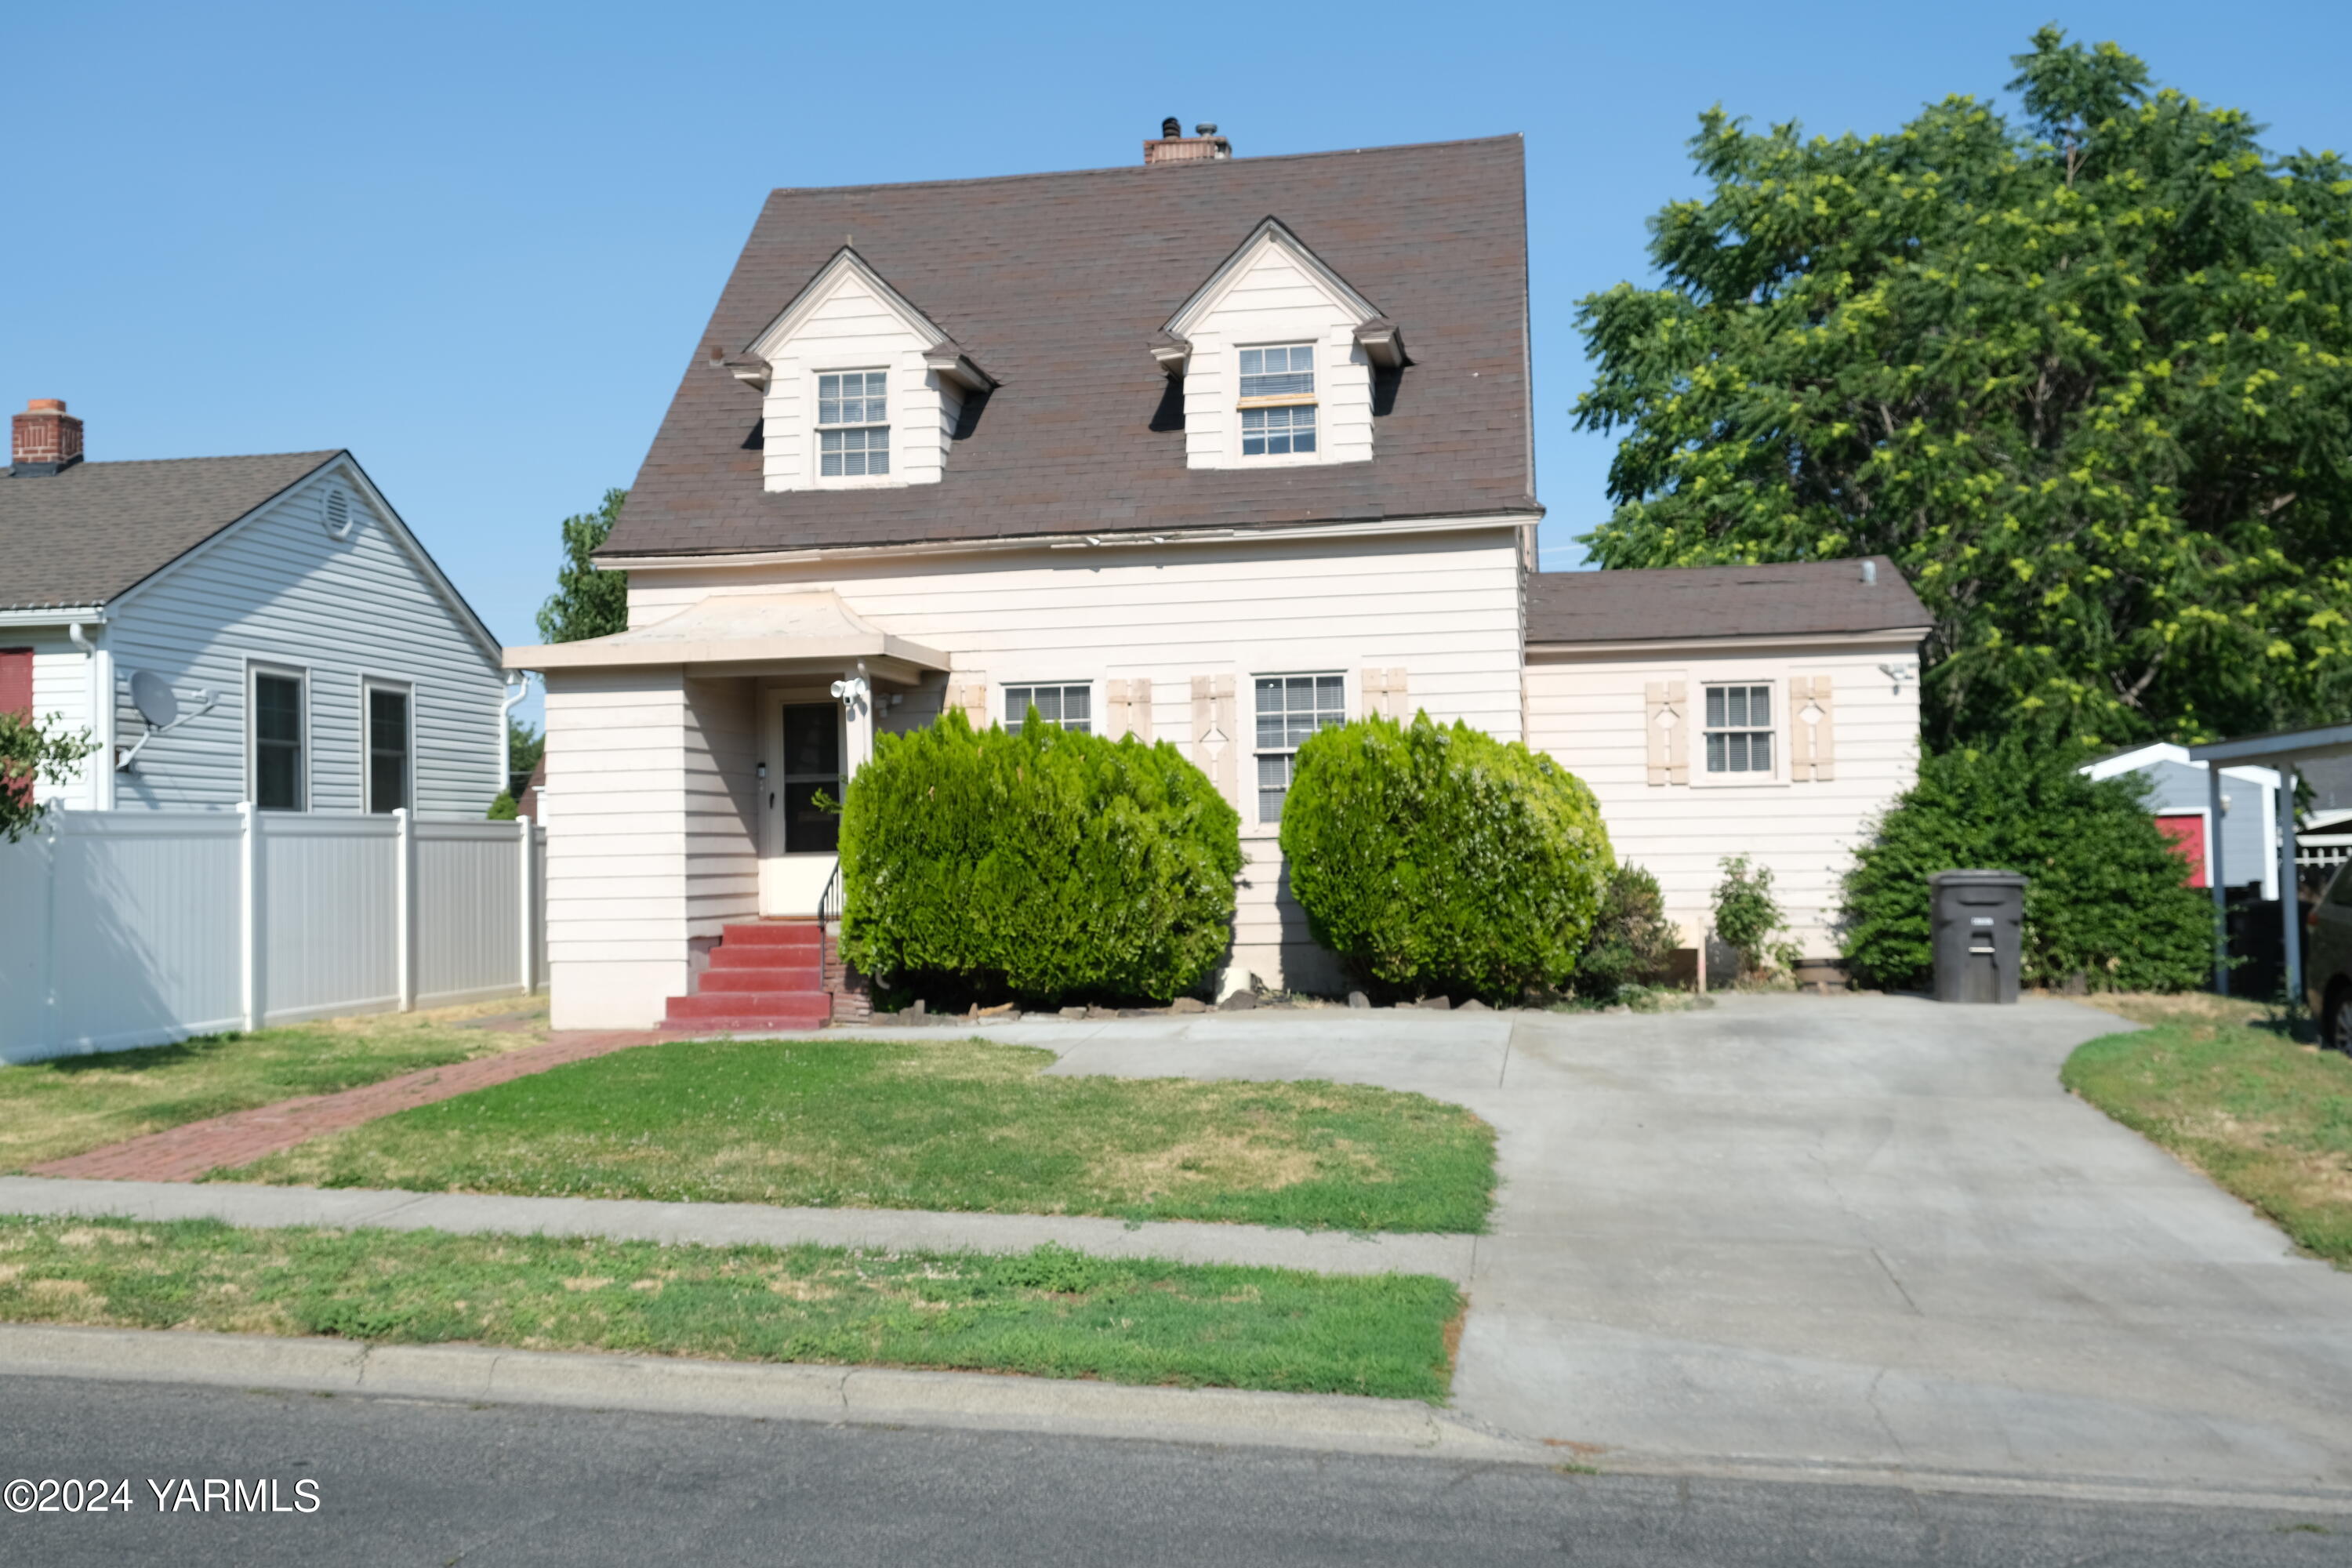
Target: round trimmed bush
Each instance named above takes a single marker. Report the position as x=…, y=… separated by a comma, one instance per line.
x=1045, y=867
x=1631, y=942
x=2108, y=898
x=1437, y=860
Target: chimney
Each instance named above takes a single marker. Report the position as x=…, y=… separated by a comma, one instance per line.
x=46, y=439
x=1203, y=146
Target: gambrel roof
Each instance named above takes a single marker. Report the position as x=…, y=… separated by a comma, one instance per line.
x=1057, y=284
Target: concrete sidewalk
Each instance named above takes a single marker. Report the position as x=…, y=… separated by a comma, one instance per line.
x=734, y=1224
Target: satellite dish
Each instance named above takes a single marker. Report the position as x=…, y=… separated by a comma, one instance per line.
x=154, y=697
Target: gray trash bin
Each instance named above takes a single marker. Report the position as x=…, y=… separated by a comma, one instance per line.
x=1979, y=917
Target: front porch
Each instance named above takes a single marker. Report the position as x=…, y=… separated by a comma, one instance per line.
x=690, y=764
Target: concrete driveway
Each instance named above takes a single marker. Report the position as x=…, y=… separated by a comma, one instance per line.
x=1844, y=1231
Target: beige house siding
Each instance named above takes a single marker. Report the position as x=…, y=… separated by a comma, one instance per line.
x=654, y=822
x=1592, y=709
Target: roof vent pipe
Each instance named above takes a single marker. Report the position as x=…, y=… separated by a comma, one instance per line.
x=1869, y=572
x=1171, y=129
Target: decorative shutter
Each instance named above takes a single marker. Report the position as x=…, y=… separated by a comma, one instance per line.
x=1384, y=693
x=1129, y=705
x=1669, y=740
x=969, y=692
x=1214, y=743
x=16, y=681
x=1812, y=746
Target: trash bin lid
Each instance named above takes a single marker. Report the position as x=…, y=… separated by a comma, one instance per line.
x=1980, y=879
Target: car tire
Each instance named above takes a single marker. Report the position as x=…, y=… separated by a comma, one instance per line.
x=2335, y=1021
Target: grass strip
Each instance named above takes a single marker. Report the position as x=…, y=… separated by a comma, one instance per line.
x=52, y=1108
x=951, y=1124
x=2232, y=1091
x=1051, y=1312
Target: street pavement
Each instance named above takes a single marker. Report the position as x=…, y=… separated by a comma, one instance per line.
x=433, y=1483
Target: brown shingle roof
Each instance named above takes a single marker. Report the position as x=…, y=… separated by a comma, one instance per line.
x=83, y=535
x=1057, y=283
x=1789, y=599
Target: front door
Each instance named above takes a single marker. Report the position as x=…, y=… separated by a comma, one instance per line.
x=792, y=882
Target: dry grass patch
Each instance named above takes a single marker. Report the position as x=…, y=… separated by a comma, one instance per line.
x=53, y=1109
x=957, y=1124
x=2227, y=1086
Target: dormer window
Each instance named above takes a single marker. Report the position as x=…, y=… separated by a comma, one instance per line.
x=852, y=423
x=1277, y=400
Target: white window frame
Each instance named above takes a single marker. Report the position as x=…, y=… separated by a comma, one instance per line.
x=1012, y=721
x=1243, y=404
x=1775, y=689
x=255, y=670
x=1258, y=754
x=818, y=430
x=374, y=683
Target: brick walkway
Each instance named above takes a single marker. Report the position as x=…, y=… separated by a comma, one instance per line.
x=184, y=1153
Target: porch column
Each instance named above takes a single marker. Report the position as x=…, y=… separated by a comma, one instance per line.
x=2215, y=875
x=857, y=714
x=2290, y=898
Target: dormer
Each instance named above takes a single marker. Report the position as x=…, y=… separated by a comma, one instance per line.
x=1276, y=353
x=861, y=389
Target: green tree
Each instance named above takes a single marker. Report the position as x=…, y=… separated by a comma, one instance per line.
x=587, y=603
x=2085, y=378
x=33, y=751
x=2107, y=896
x=525, y=746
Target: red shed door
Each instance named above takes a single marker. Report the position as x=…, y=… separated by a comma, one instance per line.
x=2187, y=831
x=17, y=696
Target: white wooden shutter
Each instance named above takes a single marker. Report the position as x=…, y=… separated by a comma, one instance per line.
x=1215, y=737
x=1812, y=740
x=1668, y=713
x=1128, y=705
x=1384, y=693
x=969, y=692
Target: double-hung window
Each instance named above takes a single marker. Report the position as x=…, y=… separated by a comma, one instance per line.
x=852, y=423
x=1739, y=730
x=387, y=748
x=1070, y=707
x=1289, y=709
x=1277, y=400
x=279, y=779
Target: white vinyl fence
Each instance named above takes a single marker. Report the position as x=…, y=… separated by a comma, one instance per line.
x=135, y=928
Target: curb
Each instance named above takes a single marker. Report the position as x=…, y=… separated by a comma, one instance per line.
x=761, y=1390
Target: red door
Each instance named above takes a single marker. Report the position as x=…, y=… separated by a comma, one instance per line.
x=2187, y=831
x=17, y=696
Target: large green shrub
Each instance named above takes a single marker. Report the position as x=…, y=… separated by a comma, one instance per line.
x=2108, y=899
x=1044, y=865
x=1631, y=942
x=1440, y=860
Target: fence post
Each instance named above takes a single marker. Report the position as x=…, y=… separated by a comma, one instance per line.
x=250, y=945
x=523, y=827
x=403, y=924
x=52, y=847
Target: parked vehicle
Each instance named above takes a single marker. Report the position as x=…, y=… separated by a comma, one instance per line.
x=2327, y=961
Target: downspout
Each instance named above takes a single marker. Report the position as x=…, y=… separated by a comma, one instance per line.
x=516, y=692
x=99, y=764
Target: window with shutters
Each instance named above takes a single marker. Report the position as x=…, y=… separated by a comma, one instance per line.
x=1289, y=709
x=277, y=736
x=1739, y=730
x=1070, y=706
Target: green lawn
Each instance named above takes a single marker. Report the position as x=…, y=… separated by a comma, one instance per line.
x=2229, y=1089
x=49, y=1110
x=951, y=1124
x=1050, y=1313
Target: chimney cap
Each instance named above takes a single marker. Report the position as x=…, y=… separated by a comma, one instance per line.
x=1171, y=128
x=1206, y=128
x=45, y=406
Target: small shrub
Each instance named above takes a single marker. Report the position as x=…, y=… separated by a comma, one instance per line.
x=1631, y=942
x=504, y=808
x=1438, y=860
x=2107, y=896
x=1748, y=919
x=1046, y=865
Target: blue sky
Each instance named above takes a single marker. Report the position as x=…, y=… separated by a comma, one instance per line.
x=476, y=244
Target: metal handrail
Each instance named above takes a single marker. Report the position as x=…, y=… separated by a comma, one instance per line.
x=828, y=903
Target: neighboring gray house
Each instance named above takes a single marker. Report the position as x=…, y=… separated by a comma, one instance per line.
x=2178, y=796
x=318, y=658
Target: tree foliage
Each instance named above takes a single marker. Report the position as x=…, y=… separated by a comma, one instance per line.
x=1045, y=865
x=1436, y=860
x=34, y=752
x=2107, y=895
x=587, y=603
x=1749, y=918
x=2084, y=377
x=1631, y=942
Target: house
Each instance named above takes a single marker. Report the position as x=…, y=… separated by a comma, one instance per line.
x=227, y=629
x=2179, y=794
x=1212, y=451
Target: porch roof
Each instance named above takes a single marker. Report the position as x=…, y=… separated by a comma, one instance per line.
x=746, y=632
